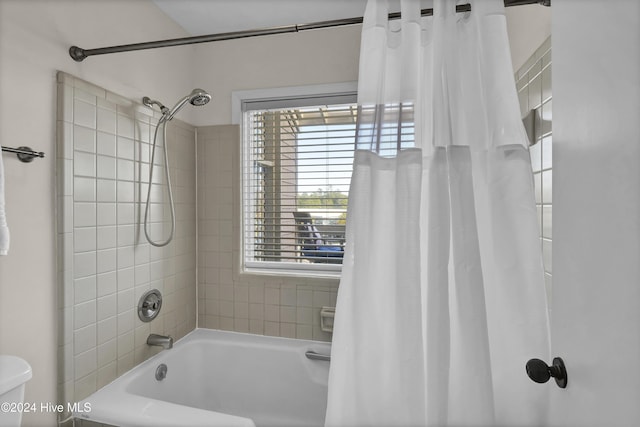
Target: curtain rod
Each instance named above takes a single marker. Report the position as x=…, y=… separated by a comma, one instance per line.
x=79, y=54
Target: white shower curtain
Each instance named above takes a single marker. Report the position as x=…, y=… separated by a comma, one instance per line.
x=442, y=297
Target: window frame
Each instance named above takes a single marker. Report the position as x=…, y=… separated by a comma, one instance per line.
x=286, y=97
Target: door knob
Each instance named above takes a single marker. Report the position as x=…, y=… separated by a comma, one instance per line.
x=540, y=372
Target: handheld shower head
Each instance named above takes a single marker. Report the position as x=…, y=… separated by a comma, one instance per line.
x=197, y=97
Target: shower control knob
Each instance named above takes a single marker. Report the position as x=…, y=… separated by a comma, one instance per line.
x=540, y=372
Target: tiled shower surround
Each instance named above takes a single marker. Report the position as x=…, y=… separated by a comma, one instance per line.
x=533, y=81
x=228, y=299
x=105, y=262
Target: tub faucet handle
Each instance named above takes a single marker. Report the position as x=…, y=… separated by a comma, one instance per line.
x=150, y=305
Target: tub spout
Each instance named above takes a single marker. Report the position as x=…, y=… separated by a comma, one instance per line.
x=163, y=341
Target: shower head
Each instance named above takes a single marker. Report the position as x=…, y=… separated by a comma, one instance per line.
x=197, y=97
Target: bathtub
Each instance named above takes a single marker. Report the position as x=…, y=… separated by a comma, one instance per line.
x=216, y=378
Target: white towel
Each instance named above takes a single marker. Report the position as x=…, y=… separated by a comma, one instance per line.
x=4, y=230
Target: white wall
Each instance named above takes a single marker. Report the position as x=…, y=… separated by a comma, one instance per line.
x=318, y=57
x=298, y=59
x=596, y=202
x=528, y=27
x=34, y=38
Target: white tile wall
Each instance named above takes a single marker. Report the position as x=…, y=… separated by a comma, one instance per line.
x=227, y=299
x=105, y=263
x=533, y=81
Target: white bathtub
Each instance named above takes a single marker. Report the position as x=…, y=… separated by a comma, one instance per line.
x=217, y=378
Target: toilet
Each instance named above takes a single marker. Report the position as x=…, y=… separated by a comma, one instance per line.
x=14, y=373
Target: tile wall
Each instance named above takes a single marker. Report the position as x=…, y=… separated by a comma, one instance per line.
x=228, y=299
x=533, y=81
x=105, y=262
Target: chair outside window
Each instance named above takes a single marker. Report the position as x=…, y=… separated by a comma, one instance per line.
x=313, y=246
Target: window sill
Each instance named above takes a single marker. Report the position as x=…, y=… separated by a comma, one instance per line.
x=312, y=271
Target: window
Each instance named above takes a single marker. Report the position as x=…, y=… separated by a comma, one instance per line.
x=297, y=164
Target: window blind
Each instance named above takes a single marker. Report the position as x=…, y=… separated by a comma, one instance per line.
x=297, y=169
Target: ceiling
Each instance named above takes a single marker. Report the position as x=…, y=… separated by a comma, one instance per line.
x=199, y=17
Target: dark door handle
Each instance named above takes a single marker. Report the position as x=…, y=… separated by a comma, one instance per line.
x=540, y=372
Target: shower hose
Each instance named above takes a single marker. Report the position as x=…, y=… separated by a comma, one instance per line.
x=161, y=122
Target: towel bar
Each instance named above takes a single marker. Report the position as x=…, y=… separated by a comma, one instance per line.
x=25, y=154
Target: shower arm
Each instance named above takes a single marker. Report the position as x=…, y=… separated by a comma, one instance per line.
x=79, y=54
x=150, y=103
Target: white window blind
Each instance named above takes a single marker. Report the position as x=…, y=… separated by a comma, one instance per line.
x=297, y=164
